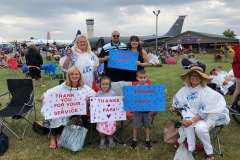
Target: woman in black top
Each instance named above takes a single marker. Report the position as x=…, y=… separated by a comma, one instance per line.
x=143, y=60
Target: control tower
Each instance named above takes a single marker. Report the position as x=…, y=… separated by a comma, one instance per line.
x=90, y=29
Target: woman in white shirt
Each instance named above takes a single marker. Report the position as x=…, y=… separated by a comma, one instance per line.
x=202, y=109
x=83, y=58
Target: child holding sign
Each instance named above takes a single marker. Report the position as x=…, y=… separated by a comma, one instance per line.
x=106, y=128
x=141, y=117
x=73, y=84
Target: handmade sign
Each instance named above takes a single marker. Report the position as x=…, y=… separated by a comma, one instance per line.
x=144, y=98
x=121, y=59
x=64, y=104
x=105, y=109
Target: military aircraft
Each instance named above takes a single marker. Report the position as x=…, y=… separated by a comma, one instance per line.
x=176, y=29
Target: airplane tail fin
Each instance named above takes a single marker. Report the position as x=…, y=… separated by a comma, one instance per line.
x=100, y=42
x=176, y=28
x=78, y=33
x=48, y=35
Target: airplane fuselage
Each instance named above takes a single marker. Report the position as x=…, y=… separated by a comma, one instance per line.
x=100, y=41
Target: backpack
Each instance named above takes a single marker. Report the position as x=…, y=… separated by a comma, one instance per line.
x=4, y=142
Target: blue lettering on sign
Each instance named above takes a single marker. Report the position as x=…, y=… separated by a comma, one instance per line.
x=192, y=96
x=87, y=69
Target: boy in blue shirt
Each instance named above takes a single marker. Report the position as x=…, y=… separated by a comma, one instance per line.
x=141, y=117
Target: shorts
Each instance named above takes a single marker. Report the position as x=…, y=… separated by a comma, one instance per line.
x=35, y=73
x=237, y=80
x=57, y=131
x=226, y=54
x=140, y=118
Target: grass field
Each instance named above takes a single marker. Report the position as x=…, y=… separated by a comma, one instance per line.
x=35, y=146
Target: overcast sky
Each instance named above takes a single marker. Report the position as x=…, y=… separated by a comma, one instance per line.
x=22, y=19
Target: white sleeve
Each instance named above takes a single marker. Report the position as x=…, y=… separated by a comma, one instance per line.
x=89, y=91
x=61, y=62
x=218, y=80
x=96, y=62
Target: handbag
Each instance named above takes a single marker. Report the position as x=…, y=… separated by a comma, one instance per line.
x=183, y=153
x=4, y=143
x=95, y=82
x=40, y=128
x=73, y=137
x=170, y=133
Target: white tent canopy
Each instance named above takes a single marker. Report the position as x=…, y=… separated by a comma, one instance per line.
x=2, y=40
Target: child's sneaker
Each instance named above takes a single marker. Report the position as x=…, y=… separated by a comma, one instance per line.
x=102, y=143
x=133, y=144
x=148, y=144
x=111, y=142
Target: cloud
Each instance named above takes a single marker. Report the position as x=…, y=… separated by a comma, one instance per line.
x=26, y=18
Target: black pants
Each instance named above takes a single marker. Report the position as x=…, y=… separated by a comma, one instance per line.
x=57, y=131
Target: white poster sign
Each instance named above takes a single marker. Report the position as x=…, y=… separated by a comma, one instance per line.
x=64, y=104
x=105, y=109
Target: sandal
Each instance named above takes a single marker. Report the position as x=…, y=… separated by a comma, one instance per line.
x=210, y=157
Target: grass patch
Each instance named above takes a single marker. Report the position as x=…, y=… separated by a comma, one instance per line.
x=35, y=146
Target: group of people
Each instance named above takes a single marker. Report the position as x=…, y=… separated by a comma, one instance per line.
x=203, y=108
x=2, y=61
x=189, y=61
x=223, y=80
x=199, y=112
x=80, y=63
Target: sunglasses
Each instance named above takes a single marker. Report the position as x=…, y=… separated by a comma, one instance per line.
x=115, y=35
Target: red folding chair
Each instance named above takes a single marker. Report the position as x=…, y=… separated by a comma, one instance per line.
x=12, y=63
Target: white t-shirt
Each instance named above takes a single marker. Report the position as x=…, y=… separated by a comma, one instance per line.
x=86, y=62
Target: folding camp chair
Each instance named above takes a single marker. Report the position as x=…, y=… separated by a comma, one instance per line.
x=58, y=72
x=130, y=120
x=12, y=63
x=217, y=129
x=119, y=134
x=214, y=132
x=235, y=110
x=49, y=58
x=184, y=68
x=20, y=106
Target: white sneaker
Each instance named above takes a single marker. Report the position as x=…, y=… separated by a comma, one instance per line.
x=102, y=143
x=111, y=142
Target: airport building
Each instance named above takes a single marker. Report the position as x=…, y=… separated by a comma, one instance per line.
x=200, y=40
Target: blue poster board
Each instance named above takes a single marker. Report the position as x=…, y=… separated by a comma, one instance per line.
x=121, y=59
x=144, y=98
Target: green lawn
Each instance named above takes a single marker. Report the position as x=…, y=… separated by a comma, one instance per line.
x=35, y=146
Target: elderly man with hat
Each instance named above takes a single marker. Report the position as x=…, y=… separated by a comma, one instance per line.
x=202, y=109
x=196, y=62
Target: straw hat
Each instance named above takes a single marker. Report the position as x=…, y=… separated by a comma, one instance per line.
x=198, y=70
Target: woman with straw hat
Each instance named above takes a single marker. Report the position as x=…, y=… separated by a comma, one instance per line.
x=202, y=109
